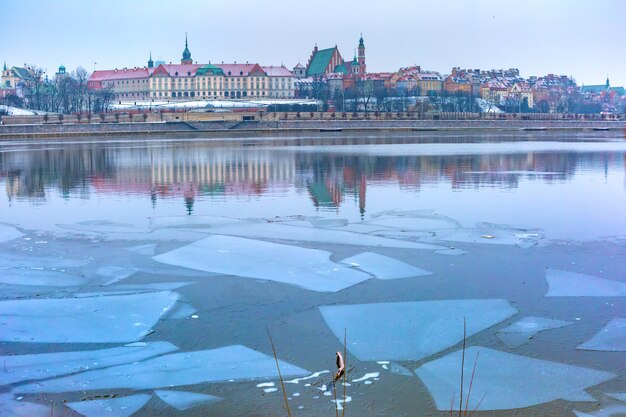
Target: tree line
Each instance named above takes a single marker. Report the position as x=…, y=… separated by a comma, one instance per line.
x=64, y=93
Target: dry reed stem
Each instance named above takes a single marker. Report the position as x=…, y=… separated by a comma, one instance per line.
x=280, y=376
x=462, y=368
x=345, y=372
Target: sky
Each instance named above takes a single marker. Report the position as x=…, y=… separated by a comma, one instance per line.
x=585, y=39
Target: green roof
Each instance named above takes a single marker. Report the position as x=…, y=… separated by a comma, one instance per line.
x=210, y=70
x=341, y=69
x=593, y=88
x=621, y=91
x=22, y=73
x=320, y=61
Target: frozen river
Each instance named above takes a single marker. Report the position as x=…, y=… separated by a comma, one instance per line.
x=141, y=276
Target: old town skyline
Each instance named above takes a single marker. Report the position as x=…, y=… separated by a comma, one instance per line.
x=419, y=36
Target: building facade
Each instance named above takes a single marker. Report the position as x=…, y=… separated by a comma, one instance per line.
x=193, y=81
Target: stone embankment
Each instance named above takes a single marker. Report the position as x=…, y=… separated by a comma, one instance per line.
x=208, y=128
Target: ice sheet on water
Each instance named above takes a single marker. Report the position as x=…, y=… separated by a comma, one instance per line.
x=21, y=261
x=10, y=407
x=182, y=311
x=495, y=234
x=612, y=338
x=451, y=252
x=103, y=226
x=182, y=400
x=161, y=222
x=523, y=330
x=418, y=223
x=384, y=267
x=506, y=381
x=621, y=396
x=111, y=407
x=108, y=319
x=148, y=249
x=573, y=284
x=9, y=233
x=113, y=274
x=177, y=369
x=403, y=213
x=38, y=278
x=399, y=369
x=276, y=230
x=38, y=366
x=329, y=223
x=307, y=268
x=606, y=410
x=411, y=330
x=367, y=376
x=366, y=228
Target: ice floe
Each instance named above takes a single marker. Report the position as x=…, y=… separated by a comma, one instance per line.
x=609, y=410
x=506, y=381
x=411, y=330
x=182, y=311
x=39, y=278
x=451, y=252
x=523, y=330
x=307, y=268
x=320, y=235
x=9, y=233
x=114, y=274
x=498, y=234
x=341, y=401
x=312, y=376
x=10, y=407
x=329, y=223
x=20, y=368
x=384, y=267
x=176, y=369
x=367, y=376
x=572, y=284
x=108, y=319
x=418, y=223
x=621, y=396
x=32, y=262
x=399, y=369
x=148, y=249
x=612, y=338
x=182, y=400
x=112, y=407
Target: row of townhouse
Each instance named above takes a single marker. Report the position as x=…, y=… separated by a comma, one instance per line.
x=193, y=81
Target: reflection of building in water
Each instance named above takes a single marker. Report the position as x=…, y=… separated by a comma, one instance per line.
x=188, y=171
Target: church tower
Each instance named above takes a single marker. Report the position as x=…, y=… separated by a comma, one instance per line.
x=150, y=61
x=186, y=54
x=362, y=55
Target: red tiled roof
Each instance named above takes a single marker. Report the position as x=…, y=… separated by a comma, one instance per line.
x=183, y=70
x=281, y=71
x=119, y=74
x=240, y=70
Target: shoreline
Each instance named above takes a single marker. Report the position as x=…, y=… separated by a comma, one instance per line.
x=205, y=128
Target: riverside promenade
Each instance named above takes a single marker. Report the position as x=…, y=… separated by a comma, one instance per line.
x=267, y=125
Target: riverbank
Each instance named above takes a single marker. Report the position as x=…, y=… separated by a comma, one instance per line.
x=210, y=128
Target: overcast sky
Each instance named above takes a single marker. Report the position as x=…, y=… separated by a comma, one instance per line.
x=582, y=38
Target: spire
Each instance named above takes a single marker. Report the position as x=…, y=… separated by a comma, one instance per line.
x=5, y=66
x=361, y=44
x=186, y=54
x=150, y=61
x=607, y=81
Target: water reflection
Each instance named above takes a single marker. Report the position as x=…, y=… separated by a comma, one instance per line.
x=191, y=170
